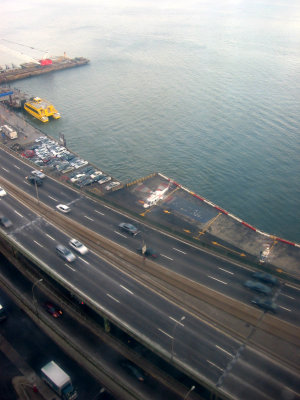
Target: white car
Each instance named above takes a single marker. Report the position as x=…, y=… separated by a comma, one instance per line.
x=38, y=173
x=63, y=208
x=96, y=173
x=75, y=179
x=104, y=180
x=112, y=185
x=2, y=192
x=78, y=246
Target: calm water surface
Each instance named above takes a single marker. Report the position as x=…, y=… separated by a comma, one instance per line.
x=206, y=92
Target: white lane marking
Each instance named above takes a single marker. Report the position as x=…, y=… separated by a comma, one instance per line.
x=294, y=287
x=212, y=277
x=99, y=212
x=18, y=213
x=82, y=259
x=127, y=290
x=211, y=363
x=119, y=233
x=27, y=183
x=39, y=244
x=52, y=198
x=67, y=265
x=180, y=251
x=5, y=169
x=175, y=320
x=286, y=295
x=225, y=351
x=113, y=298
x=17, y=166
x=169, y=258
x=165, y=333
x=50, y=236
x=225, y=270
x=287, y=309
x=85, y=216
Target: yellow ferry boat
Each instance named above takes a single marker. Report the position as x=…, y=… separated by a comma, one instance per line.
x=41, y=109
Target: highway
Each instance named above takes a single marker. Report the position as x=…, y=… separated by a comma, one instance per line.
x=193, y=263
x=193, y=343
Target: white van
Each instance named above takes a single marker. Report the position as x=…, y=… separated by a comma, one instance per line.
x=9, y=132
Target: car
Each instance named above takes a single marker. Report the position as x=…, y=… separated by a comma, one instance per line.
x=137, y=372
x=65, y=253
x=34, y=180
x=78, y=246
x=96, y=173
x=76, y=177
x=259, y=287
x=265, y=277
x=265, y=304
x=112, y=185
x=4, y=221
x=149, y=252
x=38, y=173
x=128, y=228
x=28, y=153
x=104, y=180
x=2, y=192
x=52, y=309
x=98, y=178
x=63, y=208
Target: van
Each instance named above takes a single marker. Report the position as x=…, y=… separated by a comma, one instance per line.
x=9, y=132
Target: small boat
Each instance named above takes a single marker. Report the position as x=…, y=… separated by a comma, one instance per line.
x=41, y=109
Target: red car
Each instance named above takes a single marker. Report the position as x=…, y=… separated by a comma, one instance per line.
x=53, y=309
x=28, y=153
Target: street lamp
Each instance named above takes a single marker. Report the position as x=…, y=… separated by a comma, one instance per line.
x=33, y=298
x=189, y=391
x=173, y=335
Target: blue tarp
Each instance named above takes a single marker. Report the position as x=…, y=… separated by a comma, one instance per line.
x=6, y=94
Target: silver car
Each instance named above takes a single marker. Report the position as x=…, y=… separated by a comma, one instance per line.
x=65, y=253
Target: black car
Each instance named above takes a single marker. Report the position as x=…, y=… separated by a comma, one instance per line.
x=53, y=309
x=265, y=304
x=134, y=370
x=4, y=221
x=35, y=180
x=265, y=277
x=149, y=252
x=129, y=228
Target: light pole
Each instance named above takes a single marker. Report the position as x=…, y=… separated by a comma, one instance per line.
x=33, y=298
x=188, y=392
x=173, y=335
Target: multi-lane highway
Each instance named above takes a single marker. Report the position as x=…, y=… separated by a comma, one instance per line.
x=197, y=346
x=176, y=255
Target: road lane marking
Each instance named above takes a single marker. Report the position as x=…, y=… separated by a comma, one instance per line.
x=50, y=236
x=39, y=244
x=165, y=333
x=286, y=295
x=175, y=320
x=99, y=212
x=294, y=287
x=52, y=198
x=85, y=216
x=125, y=288
x=67, y=265
x=27, y=183
x=5, y=169
x=284, y=308
x=225, y=351
x=180, y=251
x=113, y=298
x=212, y=277
x=225, y=270
x=18, y=213
x=17, y=166
x=82, y=259
x=169, y=258
x=211, y=363
x=119, y=233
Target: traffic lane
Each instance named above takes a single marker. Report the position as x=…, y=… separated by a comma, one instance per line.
x=9, y=205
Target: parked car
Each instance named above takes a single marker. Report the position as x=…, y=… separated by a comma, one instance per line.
x=96, y=173
x=265, y=304
x=4, y=221
x=112, y=185
x=2, y=192
x=257, y=286
x=137, y=372
x=28, y=153
x=52, y=309
x=104, y=180
x=78, y=246
x=149, y=252
x=38, y=173
x=34, y=180
x=65, y=253
x=63, y=208
x=128, y=228
x=265, y=277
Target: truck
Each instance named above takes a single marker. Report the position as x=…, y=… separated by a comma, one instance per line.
x=59, y=381
x=9, y=132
